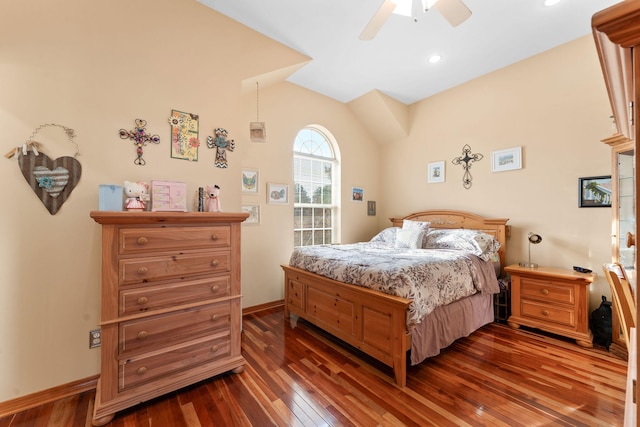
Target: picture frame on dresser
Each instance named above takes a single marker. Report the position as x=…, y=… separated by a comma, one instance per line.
x=595, y=192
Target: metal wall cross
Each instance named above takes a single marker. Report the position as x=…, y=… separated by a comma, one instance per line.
x=467, y=158
x=140, y=137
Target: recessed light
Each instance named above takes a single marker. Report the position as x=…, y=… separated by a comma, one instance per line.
x=434, y=58
x=551, y=2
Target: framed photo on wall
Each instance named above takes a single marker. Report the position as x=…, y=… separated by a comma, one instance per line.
x=357, y=194
x=594, y=192
x=254, y=214
x=250, y=181
x=506, y=160
x=277, y=193
x=435, y=172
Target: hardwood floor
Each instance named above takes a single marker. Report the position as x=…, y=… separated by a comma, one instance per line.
x=301, y=377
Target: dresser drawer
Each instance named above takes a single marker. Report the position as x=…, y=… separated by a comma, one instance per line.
x=565, y=316
x=148, y=298
x=149, y=332
x=140, y=240
x=546, y=291
x=165, y=267
x=148, y=367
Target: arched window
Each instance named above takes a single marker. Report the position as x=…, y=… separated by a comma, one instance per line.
x=316, y=195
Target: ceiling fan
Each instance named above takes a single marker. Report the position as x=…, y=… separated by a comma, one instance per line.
x=454, y=11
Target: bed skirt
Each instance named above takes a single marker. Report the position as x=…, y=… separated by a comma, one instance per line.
x=445, y=324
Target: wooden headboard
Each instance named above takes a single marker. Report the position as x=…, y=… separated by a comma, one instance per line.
x=443, y=218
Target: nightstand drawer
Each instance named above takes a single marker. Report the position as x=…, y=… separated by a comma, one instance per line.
x=184, y=325
x=140, y=240
x=149, y=298
x=547, y=291
x=550, y=314
x=157, y=268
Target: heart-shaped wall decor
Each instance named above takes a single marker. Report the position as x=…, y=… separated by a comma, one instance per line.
x=51, y=180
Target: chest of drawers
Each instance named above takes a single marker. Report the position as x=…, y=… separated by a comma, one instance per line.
x=171, y=304
x=551, y=299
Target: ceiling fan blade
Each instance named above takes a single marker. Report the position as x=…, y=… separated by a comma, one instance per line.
x=378, y=20
x=454, y=11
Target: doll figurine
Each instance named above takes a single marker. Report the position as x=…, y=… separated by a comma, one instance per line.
x=213, y=199
x=137, y=194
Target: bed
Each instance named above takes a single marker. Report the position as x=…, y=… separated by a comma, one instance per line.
x=386, y=326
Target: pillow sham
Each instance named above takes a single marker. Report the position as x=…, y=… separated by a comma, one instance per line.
x=423, y=226
x=386, y=236
x=473, y=241
x=409, y=239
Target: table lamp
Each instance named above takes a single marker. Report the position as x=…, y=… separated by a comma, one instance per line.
x=533, y=239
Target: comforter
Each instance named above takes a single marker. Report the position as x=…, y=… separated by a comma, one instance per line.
x=429, y=277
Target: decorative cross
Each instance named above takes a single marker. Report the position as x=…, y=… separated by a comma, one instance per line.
x=222, y=144
x=467, y=159
x=140, y=138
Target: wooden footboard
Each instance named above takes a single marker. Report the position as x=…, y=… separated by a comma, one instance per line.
x=343, y=310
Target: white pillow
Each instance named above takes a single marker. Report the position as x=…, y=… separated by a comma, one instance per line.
x=423, y=226
x=409, y=239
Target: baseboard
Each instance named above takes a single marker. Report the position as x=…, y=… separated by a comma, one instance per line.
x=47, y=396
x=80, y=386
x=261, y=307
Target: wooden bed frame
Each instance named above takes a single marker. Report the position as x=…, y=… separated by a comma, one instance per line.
x=372, y=321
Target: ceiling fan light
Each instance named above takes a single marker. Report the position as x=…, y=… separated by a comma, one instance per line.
x=434, y=59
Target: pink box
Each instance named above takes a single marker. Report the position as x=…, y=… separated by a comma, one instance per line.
x=168, y=196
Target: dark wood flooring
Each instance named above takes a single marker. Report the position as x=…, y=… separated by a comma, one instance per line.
x=302, y=377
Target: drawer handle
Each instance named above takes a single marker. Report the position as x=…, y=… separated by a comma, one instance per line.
x=142, y=335
x=142, y=370
x=215, y=263
x=214, y=237
x=545, y=313
x=215, y=348
x=215, y=317
x=215, y=288
x=142, y=241
x=143, y=270
x=142, y=300
x=545, y=292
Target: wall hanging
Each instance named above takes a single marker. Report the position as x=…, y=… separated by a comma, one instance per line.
x=221, y=144
x=257, y=129
x=184, y=135
x=51, y=180
x=140, y=137
x=465, y=160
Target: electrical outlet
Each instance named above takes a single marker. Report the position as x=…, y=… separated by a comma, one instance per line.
x=95, y=338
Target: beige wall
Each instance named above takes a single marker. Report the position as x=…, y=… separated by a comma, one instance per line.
x=554, y=106
x=95, y=67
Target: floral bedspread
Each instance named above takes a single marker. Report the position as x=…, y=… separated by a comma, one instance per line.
x=429, y=277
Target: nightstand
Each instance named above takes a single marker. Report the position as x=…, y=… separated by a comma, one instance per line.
x=551, y=299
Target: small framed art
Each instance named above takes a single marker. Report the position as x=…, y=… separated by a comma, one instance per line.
x=277, y=193
x=250, y=181
x=357, y=194
x=594, y=192
x=436, y=172
x=506, y=160
x=371, y=208
x=254, y=214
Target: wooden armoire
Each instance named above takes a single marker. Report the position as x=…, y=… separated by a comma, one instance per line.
x=617, y=36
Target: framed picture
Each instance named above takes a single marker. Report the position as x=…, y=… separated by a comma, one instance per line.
x=506, y=160
x=371, y=208
x=184, y=135
x=594, y=192
x=250, y=181
x=254, y=214
x=357, y=194
x=277, y=193
x=436, y=172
